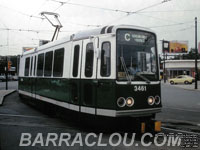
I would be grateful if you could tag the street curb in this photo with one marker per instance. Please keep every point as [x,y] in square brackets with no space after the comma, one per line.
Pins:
[4,96]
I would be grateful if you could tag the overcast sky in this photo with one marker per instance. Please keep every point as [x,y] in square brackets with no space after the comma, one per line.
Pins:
[172,20]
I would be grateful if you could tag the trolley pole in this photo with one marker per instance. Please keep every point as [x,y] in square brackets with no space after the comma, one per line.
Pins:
[196,53]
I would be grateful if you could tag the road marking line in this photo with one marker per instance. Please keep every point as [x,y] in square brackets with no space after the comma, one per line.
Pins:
[180,130]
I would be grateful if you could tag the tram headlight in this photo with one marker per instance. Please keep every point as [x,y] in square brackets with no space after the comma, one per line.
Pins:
[157,100]
[129,101]
[121,102]
[151,100]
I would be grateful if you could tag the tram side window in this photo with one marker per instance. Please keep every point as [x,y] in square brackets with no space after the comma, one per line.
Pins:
[58,62]
[40,64]
[89,60]
[105,59]
[76,60]
[48,63]
[27,64]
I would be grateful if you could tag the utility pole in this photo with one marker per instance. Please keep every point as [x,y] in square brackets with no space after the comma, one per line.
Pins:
[196,53]
[6,69]
[164,72]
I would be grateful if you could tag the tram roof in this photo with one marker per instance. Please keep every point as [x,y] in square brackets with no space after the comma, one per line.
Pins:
[105,30]
[88,33]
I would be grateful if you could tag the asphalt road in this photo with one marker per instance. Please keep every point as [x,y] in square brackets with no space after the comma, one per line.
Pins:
[181,108]
[180,112]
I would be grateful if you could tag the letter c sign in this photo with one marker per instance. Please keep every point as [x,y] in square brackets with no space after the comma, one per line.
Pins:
[127,37]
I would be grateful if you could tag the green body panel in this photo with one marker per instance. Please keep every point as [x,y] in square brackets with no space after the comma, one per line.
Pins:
[57,89]
[106,95]
[93,93]
[75,91]
[89,93]
[53,88]
[25,84]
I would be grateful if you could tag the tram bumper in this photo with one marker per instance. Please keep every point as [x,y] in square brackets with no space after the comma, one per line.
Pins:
[137,113]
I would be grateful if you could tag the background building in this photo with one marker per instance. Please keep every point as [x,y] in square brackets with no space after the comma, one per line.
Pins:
[179,67]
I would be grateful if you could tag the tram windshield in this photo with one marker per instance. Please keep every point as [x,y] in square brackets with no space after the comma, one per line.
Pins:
[136,56]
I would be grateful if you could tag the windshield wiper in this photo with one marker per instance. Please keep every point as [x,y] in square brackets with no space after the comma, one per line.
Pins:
[125,70]
[143,77]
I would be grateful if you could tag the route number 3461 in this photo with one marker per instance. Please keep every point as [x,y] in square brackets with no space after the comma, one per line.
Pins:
[140,88]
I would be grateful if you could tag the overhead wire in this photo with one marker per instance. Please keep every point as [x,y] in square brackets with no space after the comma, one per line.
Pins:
[29,30]
[42,5]
[61,4]
[57,8]
[183,23]
[108,9]
[87,25]
[22,13]
[128,13]
[157,18]
[169,25]
[45,1]
[170,11]
[88,6]
[139,10]
[179,30]
[37,17]
[183,29]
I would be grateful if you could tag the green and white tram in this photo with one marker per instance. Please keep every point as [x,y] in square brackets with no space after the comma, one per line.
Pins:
[111,71]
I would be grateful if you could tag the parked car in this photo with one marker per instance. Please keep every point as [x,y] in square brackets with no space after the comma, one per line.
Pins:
[182,79]
[2,78]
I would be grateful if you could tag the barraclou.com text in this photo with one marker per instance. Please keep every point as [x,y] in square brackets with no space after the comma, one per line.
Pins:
[93,139]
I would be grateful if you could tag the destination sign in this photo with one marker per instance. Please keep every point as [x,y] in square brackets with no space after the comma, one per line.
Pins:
[131,36]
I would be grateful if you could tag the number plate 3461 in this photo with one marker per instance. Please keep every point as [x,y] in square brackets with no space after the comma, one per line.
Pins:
[140,88]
